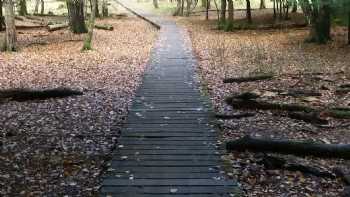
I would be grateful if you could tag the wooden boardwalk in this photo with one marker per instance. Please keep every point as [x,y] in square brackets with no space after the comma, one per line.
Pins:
[167,147]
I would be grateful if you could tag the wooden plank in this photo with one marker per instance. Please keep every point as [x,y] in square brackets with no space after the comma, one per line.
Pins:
[178,175]
[170,158]
[164,163]
[168,152]
[134,170]
[167,189]
[167,182]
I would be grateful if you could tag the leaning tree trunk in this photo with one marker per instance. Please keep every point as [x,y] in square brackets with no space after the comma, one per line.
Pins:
[249,12]
[76,16]
[155,4]
[42,7]
[10,35]
[22,8]
[262,4]
[88,39]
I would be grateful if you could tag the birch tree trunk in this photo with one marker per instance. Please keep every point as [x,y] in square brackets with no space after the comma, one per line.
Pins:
[10,35]
[88,39]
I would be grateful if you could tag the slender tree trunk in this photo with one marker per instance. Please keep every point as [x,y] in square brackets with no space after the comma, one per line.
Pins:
[42,7]
[223,12]
[104,8]
[207,9]
[10,35]
[262,4]
[188,7]
[349,27]
[274,9]
[76,16]
[182,7]
[88,39]
[249,12]
[155,4]
[97,11]
[22,8]
[2,20]
[230,20]
[36,9]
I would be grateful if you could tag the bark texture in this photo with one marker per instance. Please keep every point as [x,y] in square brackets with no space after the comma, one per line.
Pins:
[76,16]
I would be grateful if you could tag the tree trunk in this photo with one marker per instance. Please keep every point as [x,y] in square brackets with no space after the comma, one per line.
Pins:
[230,20]
[321,28]
[36,9]
[223,12]
[97,11]
[249,12]
[88,39]
[262,4]
[155,4]
[10,35]
[2,19]
[274,9]
[42,7]
[295,6]
[188,7]
[207,7]
[76,16]
[290,147]
[178,8]
[104,8]
[22,8]
[349,27]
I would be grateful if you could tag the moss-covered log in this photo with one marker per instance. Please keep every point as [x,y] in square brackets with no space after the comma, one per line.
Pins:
[104,27]
[262,105]
[300,148]
[56,27]
[22,95]
[248,79]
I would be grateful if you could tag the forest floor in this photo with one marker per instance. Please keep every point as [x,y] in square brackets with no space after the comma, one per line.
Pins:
[283,53]
[59,146]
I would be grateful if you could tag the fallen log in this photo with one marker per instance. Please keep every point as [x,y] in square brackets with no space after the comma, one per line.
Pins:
[234,116]
[247,96]
[248,79]
[342,91]
[22,95]
[345,85]
[56,27]
[313,118]
[104,27]
[339,114]
[272,163]
[300,148]
[262,105]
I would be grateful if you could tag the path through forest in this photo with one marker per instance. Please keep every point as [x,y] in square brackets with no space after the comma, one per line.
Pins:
[167,147]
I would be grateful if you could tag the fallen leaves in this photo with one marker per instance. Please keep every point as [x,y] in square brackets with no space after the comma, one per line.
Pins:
[58,146]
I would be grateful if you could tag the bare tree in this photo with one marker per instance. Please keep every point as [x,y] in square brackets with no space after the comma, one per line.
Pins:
[76,16]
